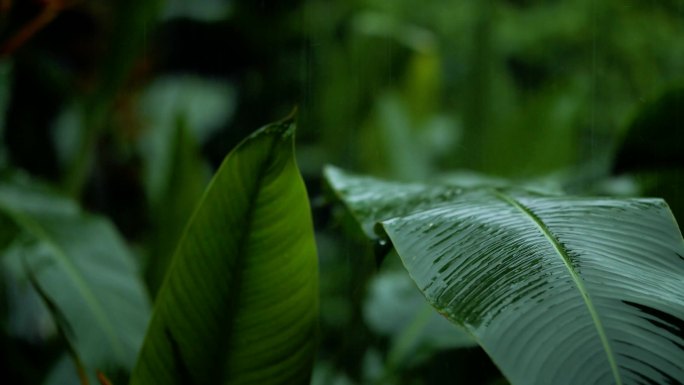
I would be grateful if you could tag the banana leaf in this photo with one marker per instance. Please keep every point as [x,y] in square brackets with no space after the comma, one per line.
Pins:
[557,290]
[83,271]
[239,303]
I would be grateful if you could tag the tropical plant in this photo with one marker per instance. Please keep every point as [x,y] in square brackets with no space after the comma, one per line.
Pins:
[556,289]
[519,125]
[82,270]
[239,303]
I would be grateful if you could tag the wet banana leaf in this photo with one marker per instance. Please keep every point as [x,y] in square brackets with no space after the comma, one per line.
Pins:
[239,304]
[84,273]
[557,290]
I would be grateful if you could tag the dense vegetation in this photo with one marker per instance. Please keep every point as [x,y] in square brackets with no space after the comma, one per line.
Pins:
[513,135]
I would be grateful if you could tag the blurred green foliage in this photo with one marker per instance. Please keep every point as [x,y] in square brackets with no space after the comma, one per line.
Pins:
[128,105]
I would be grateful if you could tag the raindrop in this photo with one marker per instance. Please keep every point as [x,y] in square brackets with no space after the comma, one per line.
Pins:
[381,248]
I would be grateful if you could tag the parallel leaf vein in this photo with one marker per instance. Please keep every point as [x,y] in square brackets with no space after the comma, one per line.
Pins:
[560,250]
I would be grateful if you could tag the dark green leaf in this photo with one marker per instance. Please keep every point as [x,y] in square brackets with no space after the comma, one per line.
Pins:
[84,272]
[396,308]
[240,302]
[557,290]
[386,199]
[63,372]
[187,177]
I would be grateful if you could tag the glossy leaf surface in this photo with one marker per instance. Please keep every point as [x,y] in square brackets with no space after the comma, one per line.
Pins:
[557,290]
[239,304]
[372,200]
[85,273]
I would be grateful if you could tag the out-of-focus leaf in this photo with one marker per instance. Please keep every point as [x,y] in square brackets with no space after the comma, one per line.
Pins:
[325,374]
[557,290]
[131,23]
[396,308]
[372,367]
[391,308]
[67,130]
[28,318]
[384,25]
[201,10]
[240,303]
[206,104]
[187,179]
[83,268]
[203,105]
[63,372]
[407,160]
[408,136]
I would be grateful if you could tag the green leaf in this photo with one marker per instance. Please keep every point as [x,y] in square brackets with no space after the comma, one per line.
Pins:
[85,273]
[396,308]
[63,372]
[386,199]
[187,178]
[557,290]
[240,302]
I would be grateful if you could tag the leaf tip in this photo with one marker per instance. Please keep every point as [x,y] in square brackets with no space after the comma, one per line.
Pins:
[284,128]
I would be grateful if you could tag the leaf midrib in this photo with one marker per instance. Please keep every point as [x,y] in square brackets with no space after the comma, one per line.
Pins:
[541,226]
[236,287]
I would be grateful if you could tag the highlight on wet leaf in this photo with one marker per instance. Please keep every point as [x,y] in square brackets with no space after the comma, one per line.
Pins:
[562,290]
